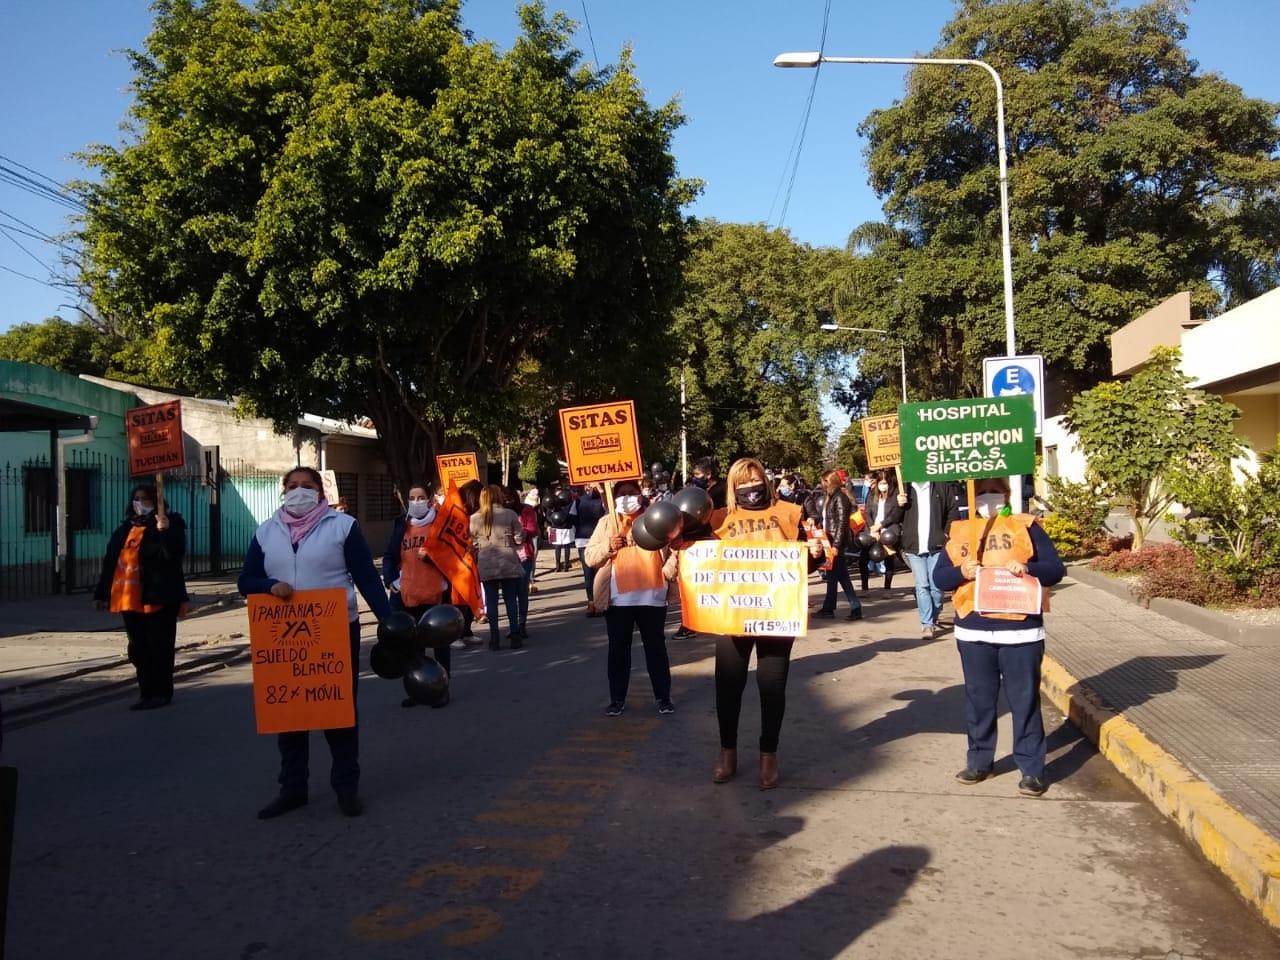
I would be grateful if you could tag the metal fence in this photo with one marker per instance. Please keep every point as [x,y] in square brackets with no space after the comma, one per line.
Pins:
[221,509]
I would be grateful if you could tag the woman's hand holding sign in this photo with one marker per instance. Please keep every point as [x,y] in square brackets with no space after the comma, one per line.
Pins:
[969,569]
[282,590]
[1016,567]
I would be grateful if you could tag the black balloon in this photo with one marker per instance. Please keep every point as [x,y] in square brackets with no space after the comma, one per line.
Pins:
[663,519]
[440,626]
[865,539]
[876,553]
[643,537]
[426,682]
[398,630]
[559,517]
[387,662]
[695,503]
[889,536]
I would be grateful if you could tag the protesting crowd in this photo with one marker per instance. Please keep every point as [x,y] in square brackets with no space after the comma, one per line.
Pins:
[629,540]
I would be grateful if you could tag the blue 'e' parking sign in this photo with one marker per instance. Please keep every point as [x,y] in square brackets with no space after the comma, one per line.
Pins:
[1017,376]
[1012,381]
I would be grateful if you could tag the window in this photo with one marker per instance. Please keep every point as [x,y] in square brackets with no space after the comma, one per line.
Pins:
[349,490]
[381,502]
[39,494]
[1051,460]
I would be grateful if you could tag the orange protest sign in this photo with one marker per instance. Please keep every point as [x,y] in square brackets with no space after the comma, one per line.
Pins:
[745,588]
[302,669]
[601,443]
[880,437]
[154,435]
[448,544]
[996,590]
[458,468]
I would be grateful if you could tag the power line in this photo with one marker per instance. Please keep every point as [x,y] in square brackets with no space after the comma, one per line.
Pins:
[42,176]
[590,39]
[797,142]
[27,276]
[12,239]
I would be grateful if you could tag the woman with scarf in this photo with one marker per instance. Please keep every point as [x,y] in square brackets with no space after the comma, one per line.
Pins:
[756,513]
[308,545]
[142,580]
[415,583]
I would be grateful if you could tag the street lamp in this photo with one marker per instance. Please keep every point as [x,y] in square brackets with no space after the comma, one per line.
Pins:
[812,59]
[902,349]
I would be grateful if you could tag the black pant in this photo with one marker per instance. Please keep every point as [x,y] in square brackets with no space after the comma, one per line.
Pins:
[773,661]
[344,744]
[588,575]
[443,656]
[152,637]
[864,565]
[620,623]
[985,665]
[838,575]
[564,554]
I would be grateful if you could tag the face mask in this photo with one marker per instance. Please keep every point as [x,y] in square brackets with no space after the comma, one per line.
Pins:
[301,500]
[629,504]
[784,488]
[142,509]
[700,482]
[647,493]
[882,487]
[752,496]
[989,504]
[419,508]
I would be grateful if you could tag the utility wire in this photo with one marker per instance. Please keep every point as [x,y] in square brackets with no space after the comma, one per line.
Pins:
[797,143]
[590,39]
[14,240]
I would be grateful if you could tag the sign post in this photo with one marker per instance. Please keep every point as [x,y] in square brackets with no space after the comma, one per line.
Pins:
[154,437]
[302,669]
[601,445]
[457,468]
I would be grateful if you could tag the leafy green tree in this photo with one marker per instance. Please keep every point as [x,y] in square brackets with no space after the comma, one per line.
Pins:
[1133,175]
[73,347]
[539,468]
[747,336]
[1143,437]
[354,208]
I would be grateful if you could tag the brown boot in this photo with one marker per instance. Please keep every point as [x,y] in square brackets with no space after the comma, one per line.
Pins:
[768,771]
[726,766]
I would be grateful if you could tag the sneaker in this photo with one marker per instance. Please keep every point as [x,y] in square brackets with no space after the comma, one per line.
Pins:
[855,614]
[666,706]
[824,614]
[1032,787]
[683,633]
[458,645]
[615,709]
[927,631]
[969,776]
[282,804]
[350,804]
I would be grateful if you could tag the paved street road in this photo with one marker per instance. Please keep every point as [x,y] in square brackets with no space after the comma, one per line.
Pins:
[519,822]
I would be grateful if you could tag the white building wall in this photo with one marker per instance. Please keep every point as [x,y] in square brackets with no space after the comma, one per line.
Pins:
[1058,446]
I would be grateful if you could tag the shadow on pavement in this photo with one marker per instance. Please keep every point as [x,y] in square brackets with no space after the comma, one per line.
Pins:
[1139,679]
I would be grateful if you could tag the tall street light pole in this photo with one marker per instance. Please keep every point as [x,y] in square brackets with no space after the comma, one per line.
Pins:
[812,59]
[902,348]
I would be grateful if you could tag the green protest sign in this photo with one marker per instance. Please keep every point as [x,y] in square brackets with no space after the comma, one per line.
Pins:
[968,439]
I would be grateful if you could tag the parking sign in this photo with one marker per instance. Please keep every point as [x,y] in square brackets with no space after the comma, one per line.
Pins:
[1017,376]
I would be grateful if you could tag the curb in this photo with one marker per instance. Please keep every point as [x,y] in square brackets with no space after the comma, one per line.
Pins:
[1210,622]
[1246,854]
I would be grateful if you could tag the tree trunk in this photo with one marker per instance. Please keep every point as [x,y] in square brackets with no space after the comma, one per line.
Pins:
[409,443]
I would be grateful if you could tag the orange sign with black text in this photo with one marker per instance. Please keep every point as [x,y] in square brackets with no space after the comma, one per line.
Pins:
[996,590]
[745,588]
[601,443]
[458,468]
[154,436]
[880,437]
[302,669]
[448,544]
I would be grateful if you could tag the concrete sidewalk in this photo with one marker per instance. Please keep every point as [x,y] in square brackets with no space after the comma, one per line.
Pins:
[1188,717]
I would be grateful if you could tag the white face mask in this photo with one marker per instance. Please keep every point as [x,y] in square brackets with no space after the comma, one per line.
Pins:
[989,504]
[301,500]
[882,487]
[142,509]
[629,504]
[420,508]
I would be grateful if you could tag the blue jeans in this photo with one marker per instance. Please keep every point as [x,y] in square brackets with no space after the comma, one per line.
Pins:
[511,595]
[838,577]
[928,596]
[1016,666]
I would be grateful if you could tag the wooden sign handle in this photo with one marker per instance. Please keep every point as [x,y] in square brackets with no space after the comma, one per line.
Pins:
[973,515]
[897,472]
[160,511]
[613,511]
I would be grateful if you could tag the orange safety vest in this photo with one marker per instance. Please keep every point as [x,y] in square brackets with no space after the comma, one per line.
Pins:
[421,581]
[126,582]
[781,521]
[635,568]
[1000,541]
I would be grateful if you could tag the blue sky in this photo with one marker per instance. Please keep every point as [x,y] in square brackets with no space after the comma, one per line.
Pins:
[64,79]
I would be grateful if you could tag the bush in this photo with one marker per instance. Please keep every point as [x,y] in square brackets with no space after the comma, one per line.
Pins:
[1067,536]
[1174,571]
[1136,561]
[1080,503]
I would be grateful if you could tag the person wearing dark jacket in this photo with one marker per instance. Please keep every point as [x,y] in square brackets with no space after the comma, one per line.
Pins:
[928,510]
[308,545]
[1000,649]
[883,512]
[704,475]
[415,583]
[836,508]
[142,580]
[586,512]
